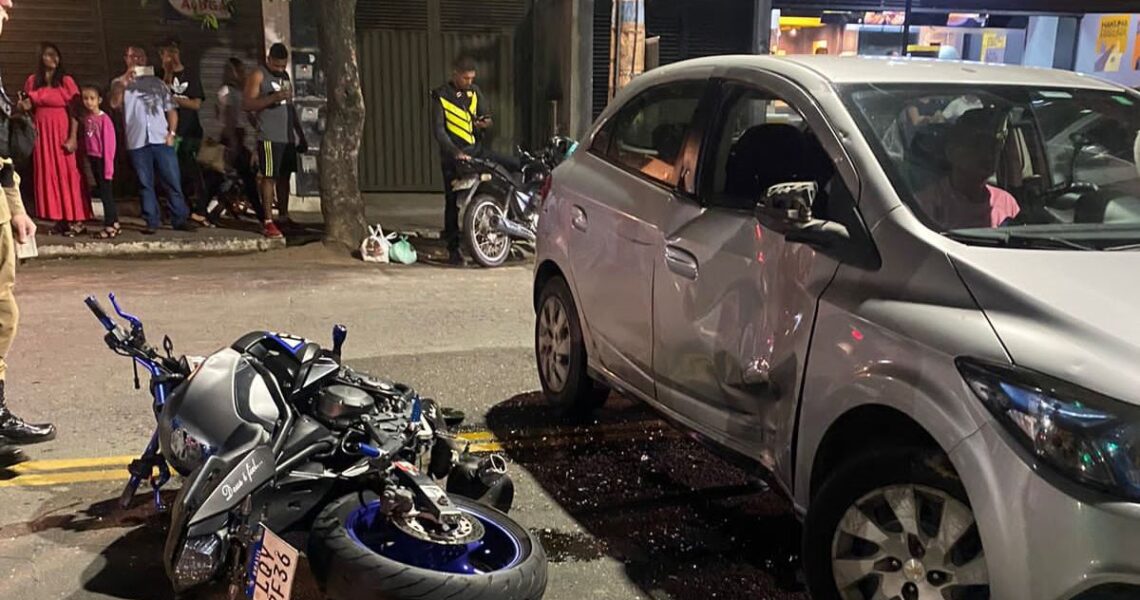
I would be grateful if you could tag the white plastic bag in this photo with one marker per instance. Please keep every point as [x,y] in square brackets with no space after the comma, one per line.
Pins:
[375,247]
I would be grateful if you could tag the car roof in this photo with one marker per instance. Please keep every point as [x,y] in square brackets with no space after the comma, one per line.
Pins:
[888,70]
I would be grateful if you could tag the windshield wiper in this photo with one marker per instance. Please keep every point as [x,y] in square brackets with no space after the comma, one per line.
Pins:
[1008,238]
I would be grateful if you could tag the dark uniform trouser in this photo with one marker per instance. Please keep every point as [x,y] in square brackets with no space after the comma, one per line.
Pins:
[450,168]
[9,312]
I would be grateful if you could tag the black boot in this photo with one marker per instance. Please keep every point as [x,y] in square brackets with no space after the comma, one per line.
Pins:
[454,258]
[11,455]
[14,430]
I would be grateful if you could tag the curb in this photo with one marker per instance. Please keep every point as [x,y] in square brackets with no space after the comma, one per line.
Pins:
[159,248]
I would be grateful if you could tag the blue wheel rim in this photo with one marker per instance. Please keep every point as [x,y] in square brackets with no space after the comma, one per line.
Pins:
[497,550]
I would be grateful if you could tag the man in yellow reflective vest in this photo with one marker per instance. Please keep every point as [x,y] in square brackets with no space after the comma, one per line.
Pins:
[460,114]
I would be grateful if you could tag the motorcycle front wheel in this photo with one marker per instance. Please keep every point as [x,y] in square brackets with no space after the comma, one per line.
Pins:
[356,553]
[487,245]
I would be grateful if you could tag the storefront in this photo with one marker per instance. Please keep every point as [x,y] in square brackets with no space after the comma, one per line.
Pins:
[92,35]
[1106,45]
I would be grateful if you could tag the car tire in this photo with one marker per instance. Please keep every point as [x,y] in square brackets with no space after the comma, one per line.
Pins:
[865,494]
[560,351]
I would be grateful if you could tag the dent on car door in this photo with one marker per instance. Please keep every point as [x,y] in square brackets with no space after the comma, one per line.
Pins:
[621,197]
[731,336]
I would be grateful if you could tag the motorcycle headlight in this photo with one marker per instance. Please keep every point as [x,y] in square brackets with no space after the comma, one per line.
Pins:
[1088,437]
[198,562]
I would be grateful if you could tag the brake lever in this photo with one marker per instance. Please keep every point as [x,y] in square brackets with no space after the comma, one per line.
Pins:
[136,324]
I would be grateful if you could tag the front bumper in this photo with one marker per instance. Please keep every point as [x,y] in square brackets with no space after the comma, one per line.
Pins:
[1045,537]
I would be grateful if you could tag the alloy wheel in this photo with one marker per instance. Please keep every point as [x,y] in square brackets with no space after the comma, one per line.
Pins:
[909,542]
[554,343]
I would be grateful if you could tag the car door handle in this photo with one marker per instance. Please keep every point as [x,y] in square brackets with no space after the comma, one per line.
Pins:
[578,218]
[681,262]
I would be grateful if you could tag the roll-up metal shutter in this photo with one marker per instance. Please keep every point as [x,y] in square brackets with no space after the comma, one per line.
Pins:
[603,15]
[126,23]
[391,14]
[398,49]
[70,24]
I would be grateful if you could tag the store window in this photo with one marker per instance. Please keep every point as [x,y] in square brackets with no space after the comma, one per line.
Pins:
[761,141]
[648,133]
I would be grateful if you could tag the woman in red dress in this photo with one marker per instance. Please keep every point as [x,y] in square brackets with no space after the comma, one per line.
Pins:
[52,97]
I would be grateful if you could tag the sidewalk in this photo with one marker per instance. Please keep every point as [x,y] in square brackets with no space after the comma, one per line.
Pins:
[415,215]
[236,238]
[412,214]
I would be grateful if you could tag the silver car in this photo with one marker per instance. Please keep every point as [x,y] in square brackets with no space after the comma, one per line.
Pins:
[909,289]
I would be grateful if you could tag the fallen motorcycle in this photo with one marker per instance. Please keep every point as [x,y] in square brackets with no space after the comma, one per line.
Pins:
[501,205]
[275,437]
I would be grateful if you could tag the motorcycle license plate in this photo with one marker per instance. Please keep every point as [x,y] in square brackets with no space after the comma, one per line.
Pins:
[272,568]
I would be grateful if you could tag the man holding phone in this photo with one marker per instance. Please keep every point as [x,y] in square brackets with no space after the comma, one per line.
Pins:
[460,116]
[151,119]
[280,138]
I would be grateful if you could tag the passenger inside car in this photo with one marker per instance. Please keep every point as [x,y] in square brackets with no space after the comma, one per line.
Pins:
[963,197]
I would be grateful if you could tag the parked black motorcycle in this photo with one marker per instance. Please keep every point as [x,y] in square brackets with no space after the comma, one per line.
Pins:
[275,436]
[501,205]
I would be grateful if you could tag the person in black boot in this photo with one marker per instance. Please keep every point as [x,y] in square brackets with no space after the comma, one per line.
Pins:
[15,226]
[15,430]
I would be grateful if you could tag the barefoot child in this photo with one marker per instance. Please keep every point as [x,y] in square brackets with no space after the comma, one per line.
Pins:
[99,136]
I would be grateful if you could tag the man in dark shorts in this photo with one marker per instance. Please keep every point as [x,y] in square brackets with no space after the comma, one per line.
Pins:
[280,139]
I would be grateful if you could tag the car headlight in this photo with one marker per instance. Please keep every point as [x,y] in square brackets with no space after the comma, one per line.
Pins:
[1091,438]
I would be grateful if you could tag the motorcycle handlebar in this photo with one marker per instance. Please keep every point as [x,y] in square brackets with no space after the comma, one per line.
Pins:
[100,314]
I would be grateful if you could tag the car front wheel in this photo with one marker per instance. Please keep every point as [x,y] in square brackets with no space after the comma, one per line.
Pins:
[894,524]
[561,353]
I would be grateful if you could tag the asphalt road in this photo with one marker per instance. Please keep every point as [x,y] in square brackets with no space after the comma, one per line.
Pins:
[625,506]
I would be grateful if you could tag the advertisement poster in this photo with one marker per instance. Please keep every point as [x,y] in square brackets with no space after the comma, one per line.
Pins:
[1136,50]
[627,48]
[884,18]
[1111,42]
[993,47]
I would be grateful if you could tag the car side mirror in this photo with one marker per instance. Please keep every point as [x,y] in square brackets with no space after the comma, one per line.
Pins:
[786,207]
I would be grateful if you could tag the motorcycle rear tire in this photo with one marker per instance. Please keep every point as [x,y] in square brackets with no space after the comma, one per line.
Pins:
[347,570]
[469,231]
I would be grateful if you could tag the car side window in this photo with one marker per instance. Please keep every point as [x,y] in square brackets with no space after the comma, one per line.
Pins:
[760,141]
[648,133]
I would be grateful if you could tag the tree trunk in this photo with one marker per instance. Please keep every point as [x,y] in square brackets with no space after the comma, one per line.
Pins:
[341,203]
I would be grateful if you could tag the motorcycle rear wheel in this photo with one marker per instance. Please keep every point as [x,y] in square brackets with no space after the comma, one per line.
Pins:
[348,565]
[486,244]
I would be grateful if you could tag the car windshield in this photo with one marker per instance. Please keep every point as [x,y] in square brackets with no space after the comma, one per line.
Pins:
[1010,165]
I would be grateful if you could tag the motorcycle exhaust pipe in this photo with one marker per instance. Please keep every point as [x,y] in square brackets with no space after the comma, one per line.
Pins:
[483,480]
[515,230]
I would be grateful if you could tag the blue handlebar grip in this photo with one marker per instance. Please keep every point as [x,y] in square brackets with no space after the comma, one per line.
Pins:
[340,333]
[100,314]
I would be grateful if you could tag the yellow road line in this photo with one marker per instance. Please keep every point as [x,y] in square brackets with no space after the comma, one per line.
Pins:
[43,479]
[109,468]
[69,464]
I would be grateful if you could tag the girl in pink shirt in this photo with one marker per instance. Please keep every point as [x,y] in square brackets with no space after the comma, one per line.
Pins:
[99,144]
